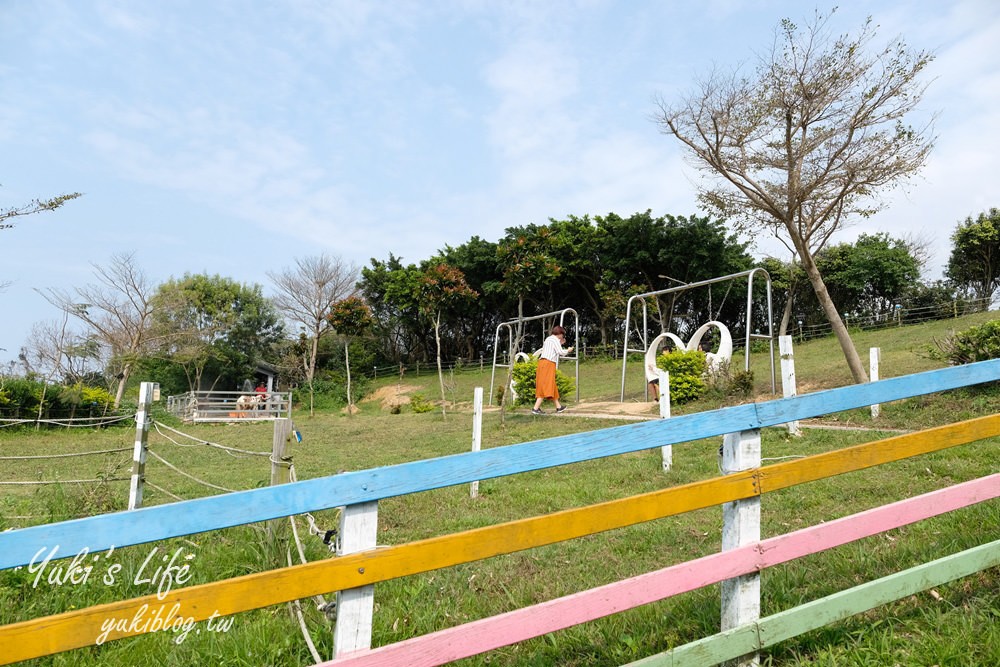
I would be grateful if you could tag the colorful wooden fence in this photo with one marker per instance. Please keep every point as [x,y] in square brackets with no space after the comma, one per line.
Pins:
[354,573]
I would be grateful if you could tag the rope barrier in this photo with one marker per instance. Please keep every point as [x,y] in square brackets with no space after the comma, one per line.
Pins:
[331,538]
[91,422]
[63,456]
[200,441]
[161,490]
[297,609]
[68,481]
[321,602]
[188,475]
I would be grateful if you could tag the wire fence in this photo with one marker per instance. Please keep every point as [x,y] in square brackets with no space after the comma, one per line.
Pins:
[170,436]
[68,422]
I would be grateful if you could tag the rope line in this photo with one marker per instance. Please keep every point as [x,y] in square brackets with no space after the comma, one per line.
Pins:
[321,602]
[188,475]
[162,490]
[331,537]
[297,609]
[92,422]
[63,456]
[201,441]
[68,481]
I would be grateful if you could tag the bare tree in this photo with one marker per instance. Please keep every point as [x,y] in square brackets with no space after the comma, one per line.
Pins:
[34,206]
[117,310]
[306,295]
[44,355]
[806,143]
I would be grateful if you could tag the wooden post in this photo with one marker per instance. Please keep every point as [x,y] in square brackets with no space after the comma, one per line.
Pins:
[741,526]
[280,462]
[355,606]
[477,432]
[667,451]
[146,390]
[788,388]
[874,356]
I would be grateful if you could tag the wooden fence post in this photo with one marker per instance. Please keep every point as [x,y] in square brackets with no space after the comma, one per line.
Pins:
[355,606]
[741,526]
[667,451]
[280,462]
[146,391]
[477,432]
[788,388]
[874,356]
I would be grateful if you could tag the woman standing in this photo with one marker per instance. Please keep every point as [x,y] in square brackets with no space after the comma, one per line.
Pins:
[545,378]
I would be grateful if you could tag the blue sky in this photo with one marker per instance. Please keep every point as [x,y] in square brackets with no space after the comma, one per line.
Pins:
[233,137]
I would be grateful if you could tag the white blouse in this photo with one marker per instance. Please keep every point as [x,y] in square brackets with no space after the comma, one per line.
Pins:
[552,349]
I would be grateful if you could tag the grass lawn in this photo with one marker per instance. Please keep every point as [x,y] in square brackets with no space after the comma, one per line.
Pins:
[956,625]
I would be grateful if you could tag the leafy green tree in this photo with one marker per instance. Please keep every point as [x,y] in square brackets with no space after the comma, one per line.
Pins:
[443,290]
[788,287]
[214,327]
[475,325]
[350,318]
[576,247]
[871,275]
[807,141]
[391,291]
[974,263]
[646,253]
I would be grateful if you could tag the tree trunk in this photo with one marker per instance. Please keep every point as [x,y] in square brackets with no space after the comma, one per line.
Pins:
[122,381]
[437,342]
[347,365]
[311,373]
[839,330]
[786,315]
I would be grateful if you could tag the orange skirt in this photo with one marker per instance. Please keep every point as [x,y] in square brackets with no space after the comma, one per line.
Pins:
[545,380]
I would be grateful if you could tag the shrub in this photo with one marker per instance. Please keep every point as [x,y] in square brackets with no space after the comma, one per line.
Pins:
[524,382]
[22,396]
[978,343]
[724,381]
[420,404]
[686,369]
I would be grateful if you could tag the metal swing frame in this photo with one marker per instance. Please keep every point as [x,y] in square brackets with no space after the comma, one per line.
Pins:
[644,332]
[511,352]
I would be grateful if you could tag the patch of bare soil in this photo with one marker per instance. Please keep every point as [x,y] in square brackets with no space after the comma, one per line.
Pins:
[633,408]
[393,395]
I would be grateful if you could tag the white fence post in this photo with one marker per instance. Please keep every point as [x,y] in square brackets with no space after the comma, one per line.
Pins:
[874,356]
[666,450]
[788,376]
[477,432]
[741,526]
[146,391]
[355,606]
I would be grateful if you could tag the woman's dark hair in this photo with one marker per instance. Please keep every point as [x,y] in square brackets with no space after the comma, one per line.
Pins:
[558,330]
